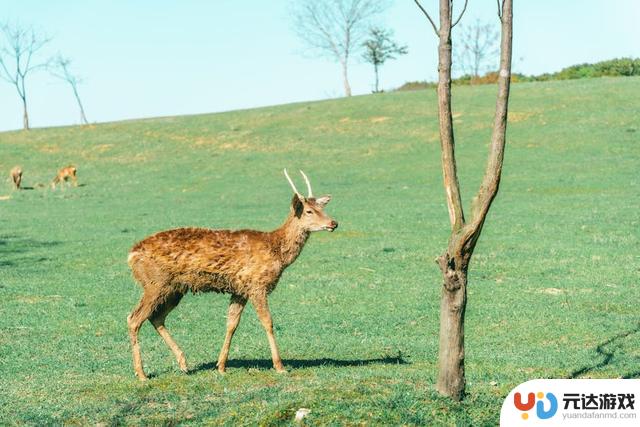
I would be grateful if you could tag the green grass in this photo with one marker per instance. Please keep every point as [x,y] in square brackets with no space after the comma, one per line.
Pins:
[553,285]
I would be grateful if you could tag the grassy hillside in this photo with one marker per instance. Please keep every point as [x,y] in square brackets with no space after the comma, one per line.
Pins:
[553,286]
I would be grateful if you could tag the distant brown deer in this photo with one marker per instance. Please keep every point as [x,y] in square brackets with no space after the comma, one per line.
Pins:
[245,263]
[64,175]
[16,176]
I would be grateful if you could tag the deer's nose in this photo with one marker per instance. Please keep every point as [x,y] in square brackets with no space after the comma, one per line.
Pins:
[334,225]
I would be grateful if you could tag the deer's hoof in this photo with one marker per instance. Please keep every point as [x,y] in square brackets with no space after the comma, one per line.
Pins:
[182,363]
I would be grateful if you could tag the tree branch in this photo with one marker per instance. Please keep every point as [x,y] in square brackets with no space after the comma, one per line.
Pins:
[500,9]
[447,141]
[461,13]
[327,36]
[7,75]
[433,24]
[491,180]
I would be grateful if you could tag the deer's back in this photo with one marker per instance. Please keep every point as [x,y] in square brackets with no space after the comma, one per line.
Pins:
[204,260]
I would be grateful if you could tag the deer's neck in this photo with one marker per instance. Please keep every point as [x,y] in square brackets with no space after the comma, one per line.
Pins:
[289,239]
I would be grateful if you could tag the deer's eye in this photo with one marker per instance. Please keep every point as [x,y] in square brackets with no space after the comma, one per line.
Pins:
[309,212]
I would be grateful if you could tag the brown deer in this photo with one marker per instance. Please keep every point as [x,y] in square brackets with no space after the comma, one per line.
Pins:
[64,175]
[245,263]
[16,176]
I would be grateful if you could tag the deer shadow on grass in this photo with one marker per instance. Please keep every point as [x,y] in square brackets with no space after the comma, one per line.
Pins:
[266,364]
[607,350]
[15,249]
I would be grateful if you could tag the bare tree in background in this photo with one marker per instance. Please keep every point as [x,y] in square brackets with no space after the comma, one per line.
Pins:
[17,59]
[477,48]
[379,48]
[454,262]
[60,69]
[336,28]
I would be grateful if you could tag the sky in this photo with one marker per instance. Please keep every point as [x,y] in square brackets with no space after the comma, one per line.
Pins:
[149,58]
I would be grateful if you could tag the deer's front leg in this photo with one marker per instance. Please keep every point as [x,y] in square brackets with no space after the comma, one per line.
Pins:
[262,310]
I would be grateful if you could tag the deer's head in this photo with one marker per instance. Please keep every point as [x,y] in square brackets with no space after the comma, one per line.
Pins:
[310,210]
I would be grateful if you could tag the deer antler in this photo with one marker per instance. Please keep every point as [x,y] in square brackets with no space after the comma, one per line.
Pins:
[308,184]
[293,186]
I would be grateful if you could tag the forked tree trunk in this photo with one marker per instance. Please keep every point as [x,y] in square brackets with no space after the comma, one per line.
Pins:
[454,262]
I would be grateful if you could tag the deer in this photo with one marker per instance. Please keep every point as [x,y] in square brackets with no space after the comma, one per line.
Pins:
[247,264]
[16,176]
[64,174]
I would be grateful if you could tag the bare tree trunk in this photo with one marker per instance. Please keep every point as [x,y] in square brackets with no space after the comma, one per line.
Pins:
[477,54]
[345,79]
[451,381]
[454,263]
[375,68]
[23,95]
[451,378]
[83,117]
[25,115]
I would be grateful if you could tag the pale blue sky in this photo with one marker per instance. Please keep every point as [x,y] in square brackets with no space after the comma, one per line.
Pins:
[149,58]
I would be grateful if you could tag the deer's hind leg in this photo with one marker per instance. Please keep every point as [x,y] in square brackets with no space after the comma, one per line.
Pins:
[145,308]
[157,320]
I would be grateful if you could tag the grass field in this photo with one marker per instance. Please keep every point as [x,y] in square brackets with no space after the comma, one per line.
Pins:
[553,289]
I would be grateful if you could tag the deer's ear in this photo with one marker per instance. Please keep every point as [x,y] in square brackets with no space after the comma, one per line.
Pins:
[323,201]
[297,206]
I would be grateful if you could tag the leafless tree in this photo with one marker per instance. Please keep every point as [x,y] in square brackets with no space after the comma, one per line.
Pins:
[17,59]
[454,262]
[60,69]
[477,48]
[336,28]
